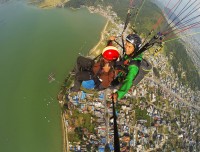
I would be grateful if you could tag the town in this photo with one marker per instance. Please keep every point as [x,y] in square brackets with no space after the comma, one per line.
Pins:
[159,114]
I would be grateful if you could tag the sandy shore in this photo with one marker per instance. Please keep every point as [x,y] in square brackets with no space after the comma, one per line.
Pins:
[93,50]
[49,3]
[64,133]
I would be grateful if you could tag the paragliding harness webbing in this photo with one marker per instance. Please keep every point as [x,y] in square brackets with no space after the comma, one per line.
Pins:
[128,17]
[88,64]
[144,68]
[143,65]
[157,39]
[116,135]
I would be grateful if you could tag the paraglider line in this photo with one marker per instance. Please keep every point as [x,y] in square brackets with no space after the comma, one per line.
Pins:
[181,37]
[139,11]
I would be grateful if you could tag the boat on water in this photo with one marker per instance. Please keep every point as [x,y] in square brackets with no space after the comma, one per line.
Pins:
[51,77]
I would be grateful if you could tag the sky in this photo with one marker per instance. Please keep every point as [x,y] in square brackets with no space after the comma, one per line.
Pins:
[171,4]
[195,5]
[186,7]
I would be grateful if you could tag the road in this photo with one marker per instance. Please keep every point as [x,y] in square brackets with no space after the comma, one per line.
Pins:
[173,94]
[107,119]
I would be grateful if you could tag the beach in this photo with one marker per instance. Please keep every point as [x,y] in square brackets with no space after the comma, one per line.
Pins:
[111,27]
[49,3]
[94,50]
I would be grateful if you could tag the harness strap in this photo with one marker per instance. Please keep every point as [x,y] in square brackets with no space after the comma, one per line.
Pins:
[135,62]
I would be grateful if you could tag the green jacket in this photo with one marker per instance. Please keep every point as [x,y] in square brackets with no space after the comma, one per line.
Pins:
[130,76]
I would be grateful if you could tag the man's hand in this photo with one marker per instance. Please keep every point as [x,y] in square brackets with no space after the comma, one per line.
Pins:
[112,38]
[114,96]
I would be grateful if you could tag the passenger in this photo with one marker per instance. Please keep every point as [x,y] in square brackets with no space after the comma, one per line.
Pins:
[128,66]
[101,73]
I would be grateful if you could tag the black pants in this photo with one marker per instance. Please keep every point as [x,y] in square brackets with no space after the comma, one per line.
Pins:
[83,71]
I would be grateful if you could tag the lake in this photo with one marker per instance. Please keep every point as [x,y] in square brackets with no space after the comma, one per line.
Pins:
[34,43]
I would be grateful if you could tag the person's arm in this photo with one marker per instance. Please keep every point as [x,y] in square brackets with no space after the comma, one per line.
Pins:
[110,41]
[127,83]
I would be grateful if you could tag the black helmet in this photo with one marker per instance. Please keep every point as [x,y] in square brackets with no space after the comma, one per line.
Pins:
[135,40]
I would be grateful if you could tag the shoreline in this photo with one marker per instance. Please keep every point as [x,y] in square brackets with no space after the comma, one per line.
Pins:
[63,130]
[48,4]
[101,39]
[92,52]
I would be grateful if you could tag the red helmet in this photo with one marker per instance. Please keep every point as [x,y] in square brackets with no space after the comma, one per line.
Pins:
[110,53]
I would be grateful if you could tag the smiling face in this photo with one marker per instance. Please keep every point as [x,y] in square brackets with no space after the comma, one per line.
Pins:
[129,48]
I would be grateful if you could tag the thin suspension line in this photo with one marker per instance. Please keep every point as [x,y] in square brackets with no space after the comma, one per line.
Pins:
[183,9]
[184,28]
[187,21]
[139,11]
[180,13]
[160,19]
[179,3]
[170,10]
[181,26]
[190,13]
[190,26]
[187,35]
[184,36]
